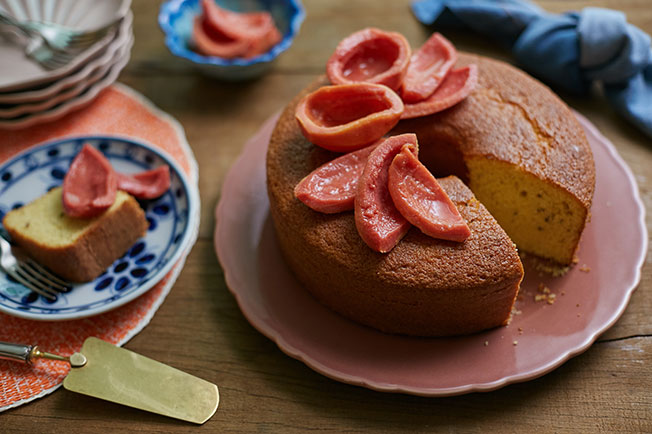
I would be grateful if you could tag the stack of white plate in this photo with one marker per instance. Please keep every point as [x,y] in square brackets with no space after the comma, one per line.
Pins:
[31,94]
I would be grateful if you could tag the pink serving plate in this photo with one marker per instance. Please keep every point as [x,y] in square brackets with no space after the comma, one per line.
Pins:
[589,298]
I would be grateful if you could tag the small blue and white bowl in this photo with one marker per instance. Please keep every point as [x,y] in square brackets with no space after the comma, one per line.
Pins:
[176,20]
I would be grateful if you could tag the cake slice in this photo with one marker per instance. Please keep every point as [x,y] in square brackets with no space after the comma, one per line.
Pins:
[76,249]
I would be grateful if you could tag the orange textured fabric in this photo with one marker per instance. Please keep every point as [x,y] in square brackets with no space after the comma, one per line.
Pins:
[121,111]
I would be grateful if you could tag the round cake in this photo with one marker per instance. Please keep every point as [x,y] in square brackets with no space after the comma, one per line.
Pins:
[523,155]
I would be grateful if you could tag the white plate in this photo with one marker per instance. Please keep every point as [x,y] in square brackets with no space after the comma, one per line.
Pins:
[15,111]
[18,72]
[60,110]
[173,219]
[74,14]
[48,90]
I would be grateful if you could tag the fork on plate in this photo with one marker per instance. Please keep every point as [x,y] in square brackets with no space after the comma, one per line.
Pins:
[49,59]
[64,39]
[29,273]
[52,45]
[57,37]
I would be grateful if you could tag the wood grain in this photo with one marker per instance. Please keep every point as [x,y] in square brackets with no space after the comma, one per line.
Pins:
[200,329]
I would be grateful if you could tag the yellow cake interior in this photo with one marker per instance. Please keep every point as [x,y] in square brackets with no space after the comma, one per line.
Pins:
[539,217]
[44,220]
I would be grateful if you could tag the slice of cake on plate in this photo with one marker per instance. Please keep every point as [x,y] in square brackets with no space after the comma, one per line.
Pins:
[76,249]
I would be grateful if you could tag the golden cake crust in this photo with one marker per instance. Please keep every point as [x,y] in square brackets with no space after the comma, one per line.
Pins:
[423,286]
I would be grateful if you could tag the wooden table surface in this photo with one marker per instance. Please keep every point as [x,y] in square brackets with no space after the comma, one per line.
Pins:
[200,329]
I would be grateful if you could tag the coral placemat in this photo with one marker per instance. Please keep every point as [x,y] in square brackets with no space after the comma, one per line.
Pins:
[117,110]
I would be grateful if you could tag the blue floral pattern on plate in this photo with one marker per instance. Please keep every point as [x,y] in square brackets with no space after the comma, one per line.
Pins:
[172,218]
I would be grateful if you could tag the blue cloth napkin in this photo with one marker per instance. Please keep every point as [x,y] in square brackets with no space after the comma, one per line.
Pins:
[569,50]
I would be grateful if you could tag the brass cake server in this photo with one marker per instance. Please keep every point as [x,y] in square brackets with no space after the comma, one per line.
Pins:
[115,374]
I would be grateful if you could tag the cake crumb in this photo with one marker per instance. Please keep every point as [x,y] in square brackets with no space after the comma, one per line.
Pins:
[545,294]
[551,300]
[515,343]
[515,310]
[585,268]
[486,343]
[552,269]
[544,266]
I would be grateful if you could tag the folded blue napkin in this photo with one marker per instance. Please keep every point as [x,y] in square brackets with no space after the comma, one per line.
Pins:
[569,51]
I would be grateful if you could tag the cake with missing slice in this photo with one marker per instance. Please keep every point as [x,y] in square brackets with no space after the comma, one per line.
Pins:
[523,155]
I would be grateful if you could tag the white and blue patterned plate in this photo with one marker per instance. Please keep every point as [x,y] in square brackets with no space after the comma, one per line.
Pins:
[173,220]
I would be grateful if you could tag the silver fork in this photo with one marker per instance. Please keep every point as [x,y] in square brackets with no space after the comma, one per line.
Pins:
[51,45]
[65,39]
[36,48]
[28,272]
[55,36]
[50,59]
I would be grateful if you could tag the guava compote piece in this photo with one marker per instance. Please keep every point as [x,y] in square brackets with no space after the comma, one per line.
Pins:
[379,222]
[237,25]
[346,117]
[331,188]
[421,200]
[457,85]
[370,55]
[262,45]
[90,186]
[428,68]
[148,184]
[224,33]
[215,44]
